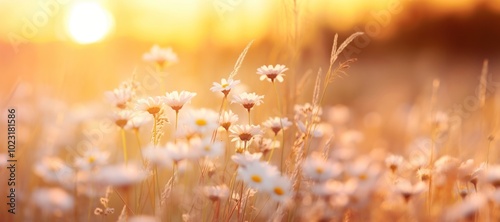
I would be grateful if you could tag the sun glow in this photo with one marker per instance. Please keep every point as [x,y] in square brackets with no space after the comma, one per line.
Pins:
[88,22]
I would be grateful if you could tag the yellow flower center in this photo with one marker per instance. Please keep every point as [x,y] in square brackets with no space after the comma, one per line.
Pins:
[256,178]
[91,159]
[201,122]
[121,122]
[225,85]
[207,148]
[319,170]
[153,110]
[278,191]
[363,176]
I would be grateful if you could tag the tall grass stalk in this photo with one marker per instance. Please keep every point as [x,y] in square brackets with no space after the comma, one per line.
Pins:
[124,145]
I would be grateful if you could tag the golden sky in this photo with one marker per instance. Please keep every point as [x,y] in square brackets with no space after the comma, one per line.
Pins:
[187,22]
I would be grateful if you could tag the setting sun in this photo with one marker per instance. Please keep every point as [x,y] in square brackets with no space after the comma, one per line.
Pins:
[88,22]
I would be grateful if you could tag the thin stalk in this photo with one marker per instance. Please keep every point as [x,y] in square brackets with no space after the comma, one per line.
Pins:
[136,132]
[226,156]
[283,130]
[124,201]
[124,143]
[176,119]
[221,109]
[249,121]
[272,151]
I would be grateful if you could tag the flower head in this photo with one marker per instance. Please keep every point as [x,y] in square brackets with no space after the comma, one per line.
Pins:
[206,148]
[215,193]
[319,169]
[120,175]
[244,159]
[152,105]
[492,175]
[224,86]
[258,175]
[159,56]
[408,190]
[122,117]
[176,100]
[157,156]
[394,162]
[138,120]
[280,189]
[54,169]
[202,120]
[271,73]
[180,151]
[53,200]
[276,124]
[248,100]
[244,132]
[119,97]
[227,119]
[91,158]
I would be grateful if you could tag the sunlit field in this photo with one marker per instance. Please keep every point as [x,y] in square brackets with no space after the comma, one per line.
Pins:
[250,110]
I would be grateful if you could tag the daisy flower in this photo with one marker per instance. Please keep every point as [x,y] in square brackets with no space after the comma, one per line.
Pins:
[176,100]
[408,190]
[314,131]
[478,172]
[244,132]
[159,56]
[138,120]
[122,117]
[271,73]
[152,105]
[394,162]
[54,201]
[258,175]
[91,158]
[465,170]
[215,193]
[248,100]
[206,148]
[319,169]
[156,156]
[492,175]
[468,208]
[202,120]
[54,169]
[119,97]
[424,174]
[280,189]
[120,175]
[364,168]
[224,86]
[180,151]
[246,158]
[227,119]
[276,124]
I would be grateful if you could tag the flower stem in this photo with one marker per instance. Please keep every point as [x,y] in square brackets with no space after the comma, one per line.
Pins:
[124,142]
[136,132]
[176,119]
[283,130]
[272,149]
[249,120]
